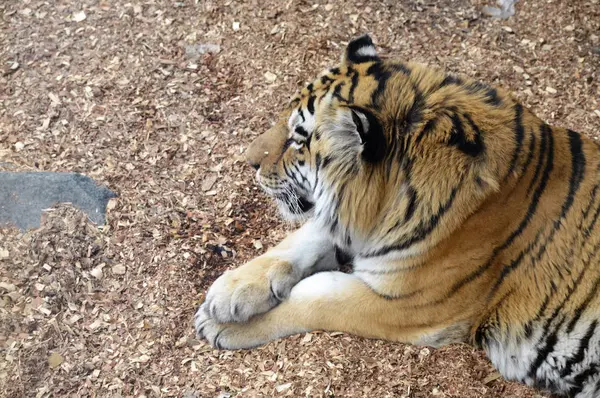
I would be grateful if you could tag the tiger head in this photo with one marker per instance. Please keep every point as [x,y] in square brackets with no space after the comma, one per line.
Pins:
[379,151]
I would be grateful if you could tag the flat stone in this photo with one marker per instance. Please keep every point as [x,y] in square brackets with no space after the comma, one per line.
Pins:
[23,196]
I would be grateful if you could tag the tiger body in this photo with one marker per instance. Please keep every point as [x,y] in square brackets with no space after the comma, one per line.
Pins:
[467,218]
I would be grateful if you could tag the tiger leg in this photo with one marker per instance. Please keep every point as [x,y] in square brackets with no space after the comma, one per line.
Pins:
[264,282]
[332,301]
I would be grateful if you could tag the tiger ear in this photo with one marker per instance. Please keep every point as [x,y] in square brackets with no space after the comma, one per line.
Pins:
[359,50]
[370,131]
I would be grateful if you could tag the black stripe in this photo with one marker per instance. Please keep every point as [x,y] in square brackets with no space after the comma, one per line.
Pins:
[577,175]
[451,80]
[412,204]
[301,131]
[337,89]
[514,264]
[459,138]
[284,148]
[326,79]
[304,179]
[519,134]
[392,153]
[533,204]
[310,105]
[490,93]
[353,84]
[593,194]
[381,76]
[415,113]
[333,226]
[596,388]
[571,289]
[542,354]
[429,126]
[422,230]
[583,306]
[478,145]
[528,328]
[584,344]
[529,157]
[342,257]
[317,169]
[410,208]
[301,114]
[398,67]
[540,162]
[579,380]
[483,332]
[587,231]
[290,174]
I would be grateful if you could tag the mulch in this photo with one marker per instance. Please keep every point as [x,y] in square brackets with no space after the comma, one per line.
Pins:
[158,100]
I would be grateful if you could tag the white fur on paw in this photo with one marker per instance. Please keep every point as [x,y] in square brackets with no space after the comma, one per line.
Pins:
[206,326]
[224,336]
[231,299]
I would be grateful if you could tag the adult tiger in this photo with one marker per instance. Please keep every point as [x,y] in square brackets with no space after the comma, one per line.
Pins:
[467,217]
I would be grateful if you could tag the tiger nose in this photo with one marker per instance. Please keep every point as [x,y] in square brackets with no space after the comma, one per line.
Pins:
[263,151]
[255,154]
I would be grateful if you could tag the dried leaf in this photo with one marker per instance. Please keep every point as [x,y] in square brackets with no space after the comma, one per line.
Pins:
[307,338]
[491,377]
[55,360]
[141,359]
[270,77]
[208,182]
[54,98]
[119,269]
[97,272]
[79,16]
[9,287]
[283,387]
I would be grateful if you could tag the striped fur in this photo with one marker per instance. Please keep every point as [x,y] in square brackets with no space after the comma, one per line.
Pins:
[467,217]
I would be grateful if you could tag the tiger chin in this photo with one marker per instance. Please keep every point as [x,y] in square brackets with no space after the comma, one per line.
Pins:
[467,218]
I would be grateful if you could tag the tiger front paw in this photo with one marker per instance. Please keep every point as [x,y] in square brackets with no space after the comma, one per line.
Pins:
[252,289]
[230,336]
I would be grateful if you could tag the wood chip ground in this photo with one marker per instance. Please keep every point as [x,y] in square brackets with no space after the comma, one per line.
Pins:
[158,99]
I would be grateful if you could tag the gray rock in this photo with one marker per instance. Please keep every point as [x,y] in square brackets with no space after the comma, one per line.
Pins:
[194,51]
[505,10]
[23,196]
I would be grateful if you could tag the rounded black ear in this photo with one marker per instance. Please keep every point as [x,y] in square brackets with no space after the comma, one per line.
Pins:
[359,50]
[372,136]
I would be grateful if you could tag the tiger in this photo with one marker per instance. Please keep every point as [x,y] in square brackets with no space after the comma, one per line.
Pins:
[464,216]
